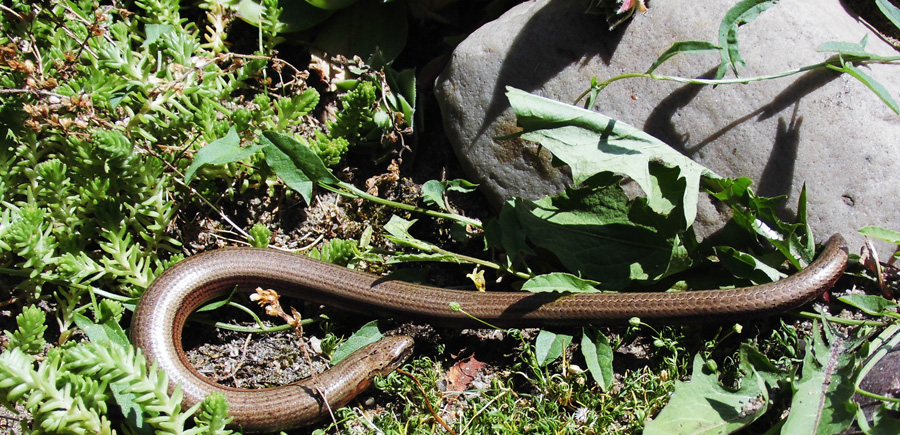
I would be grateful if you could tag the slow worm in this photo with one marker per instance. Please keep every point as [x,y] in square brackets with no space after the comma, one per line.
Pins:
[161,314]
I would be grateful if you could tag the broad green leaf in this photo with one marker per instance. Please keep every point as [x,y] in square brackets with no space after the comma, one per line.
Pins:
[219,152]
[744,265]
[598,355]
[870,304]
[367,334]
[742,13]
[559,282]
[702,406]
[433,193]
[106,332]
[512,235]
[890,11]
[683,47]
[364,28]
[602,244]
[295,163]
[549,346]
[591,143]
[885,234]
[821,403]
[296,15]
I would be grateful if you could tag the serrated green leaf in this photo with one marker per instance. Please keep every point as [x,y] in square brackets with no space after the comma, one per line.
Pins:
[604,247]
[683,47]
[224,150]
[598,356]
[883,422]
[367,334]
[821,403]
[549,346]
[759,215]
[591,144]
[560,282]
[702,406]
[752,360]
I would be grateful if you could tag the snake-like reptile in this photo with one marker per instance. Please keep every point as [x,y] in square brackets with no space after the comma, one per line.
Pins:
[163,310]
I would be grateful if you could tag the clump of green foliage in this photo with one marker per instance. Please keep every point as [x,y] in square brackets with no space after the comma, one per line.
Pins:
[101,110]
[69,390]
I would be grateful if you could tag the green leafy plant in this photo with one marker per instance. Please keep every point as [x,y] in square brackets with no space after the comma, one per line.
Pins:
[847,59]
[115,120]
[364,28]
[67,391]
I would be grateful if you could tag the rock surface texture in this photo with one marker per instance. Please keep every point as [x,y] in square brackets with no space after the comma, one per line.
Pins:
[819,128]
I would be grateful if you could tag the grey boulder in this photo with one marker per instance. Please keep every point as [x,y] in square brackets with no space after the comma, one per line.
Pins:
[818,128]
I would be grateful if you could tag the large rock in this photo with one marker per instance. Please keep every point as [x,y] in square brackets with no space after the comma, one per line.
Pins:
[819,128]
